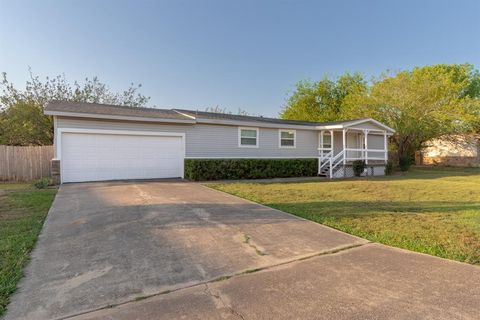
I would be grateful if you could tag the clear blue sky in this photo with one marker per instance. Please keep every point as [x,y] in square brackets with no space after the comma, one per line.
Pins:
[235,54]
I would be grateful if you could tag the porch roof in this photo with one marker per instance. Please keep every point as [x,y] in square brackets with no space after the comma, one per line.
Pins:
[351,124]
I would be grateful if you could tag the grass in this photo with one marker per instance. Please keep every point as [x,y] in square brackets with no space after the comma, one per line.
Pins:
[22,212]
[430,210]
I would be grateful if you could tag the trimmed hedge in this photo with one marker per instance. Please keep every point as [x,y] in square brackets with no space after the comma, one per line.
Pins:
[224,169]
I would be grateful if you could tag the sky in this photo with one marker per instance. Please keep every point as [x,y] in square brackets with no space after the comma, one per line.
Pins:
[234,54]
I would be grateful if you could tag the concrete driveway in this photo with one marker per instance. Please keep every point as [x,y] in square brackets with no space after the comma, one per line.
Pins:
[171,249]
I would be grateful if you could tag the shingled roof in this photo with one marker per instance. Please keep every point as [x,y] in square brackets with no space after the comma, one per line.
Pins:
[79,109]
[236,117]
[113,110]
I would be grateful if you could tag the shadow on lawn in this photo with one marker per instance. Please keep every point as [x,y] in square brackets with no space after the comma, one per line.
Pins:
[419,173]
[354,208]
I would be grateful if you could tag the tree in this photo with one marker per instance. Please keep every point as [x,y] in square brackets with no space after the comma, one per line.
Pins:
[322,100]
[21,111]
[224,110]
[24,123]
[421,104]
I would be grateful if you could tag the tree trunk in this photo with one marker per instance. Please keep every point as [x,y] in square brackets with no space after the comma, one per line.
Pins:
[403,147]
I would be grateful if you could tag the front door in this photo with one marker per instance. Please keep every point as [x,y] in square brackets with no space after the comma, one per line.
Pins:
[325,143]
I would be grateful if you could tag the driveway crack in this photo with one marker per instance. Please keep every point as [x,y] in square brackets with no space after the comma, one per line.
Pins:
[218,297]
[251,245]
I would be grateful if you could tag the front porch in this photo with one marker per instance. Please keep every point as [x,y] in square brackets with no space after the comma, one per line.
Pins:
[338,148]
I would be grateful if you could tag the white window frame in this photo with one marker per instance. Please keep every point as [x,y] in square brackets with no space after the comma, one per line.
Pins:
[280,139]
[240,137]
[321,139]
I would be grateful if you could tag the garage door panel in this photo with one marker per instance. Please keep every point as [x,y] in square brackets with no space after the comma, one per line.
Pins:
[96,157]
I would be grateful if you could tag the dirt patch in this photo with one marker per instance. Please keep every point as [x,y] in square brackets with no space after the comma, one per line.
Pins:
[7,208]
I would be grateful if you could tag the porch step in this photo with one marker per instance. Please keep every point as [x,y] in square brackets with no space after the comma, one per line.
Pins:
[325,172]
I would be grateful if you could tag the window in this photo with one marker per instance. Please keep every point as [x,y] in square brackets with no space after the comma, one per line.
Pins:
[327,140]
[248,137]
[287,138]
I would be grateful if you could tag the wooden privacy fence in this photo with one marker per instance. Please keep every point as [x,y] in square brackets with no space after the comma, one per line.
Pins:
[25,163]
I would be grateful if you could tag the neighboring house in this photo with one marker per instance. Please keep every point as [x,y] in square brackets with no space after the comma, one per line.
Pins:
[95,142]
[452,150]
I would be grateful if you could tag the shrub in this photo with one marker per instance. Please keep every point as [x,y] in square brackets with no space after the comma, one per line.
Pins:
[217,169]
[358,167]
[42,183]
[404,163]
[389,168]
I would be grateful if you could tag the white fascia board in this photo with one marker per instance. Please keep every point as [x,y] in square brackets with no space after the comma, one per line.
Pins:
[328,127]
[184,114]
[378,123]
[112,117]
[121,132]
[257,124]
[348,124]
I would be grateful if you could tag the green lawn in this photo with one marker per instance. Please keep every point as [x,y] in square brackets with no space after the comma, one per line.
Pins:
[429,210]
[22,212]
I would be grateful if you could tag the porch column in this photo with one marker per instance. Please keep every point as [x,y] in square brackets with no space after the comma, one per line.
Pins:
[321,139]
[385,145]
[320,147]
[331,141]
[365,134]
[344,146]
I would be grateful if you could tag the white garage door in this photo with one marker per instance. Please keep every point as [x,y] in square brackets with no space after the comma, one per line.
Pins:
[97,157]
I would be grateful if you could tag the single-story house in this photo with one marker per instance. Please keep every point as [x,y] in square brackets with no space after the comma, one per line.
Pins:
[451,150]
[95,142]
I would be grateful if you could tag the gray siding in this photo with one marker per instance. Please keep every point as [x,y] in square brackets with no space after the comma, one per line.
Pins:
[216,141]
[375,141]
[337,142]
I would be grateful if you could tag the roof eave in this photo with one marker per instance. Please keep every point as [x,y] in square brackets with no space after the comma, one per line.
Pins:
[378,123]
[328,127]
[256,124]
[349,124]
[115,117]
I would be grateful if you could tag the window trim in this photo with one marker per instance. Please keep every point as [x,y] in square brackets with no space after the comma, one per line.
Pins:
[240,145]
[280,139]
[321,140]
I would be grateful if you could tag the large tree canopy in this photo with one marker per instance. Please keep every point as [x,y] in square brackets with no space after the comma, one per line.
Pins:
[22,121]
[419,104]
[322,100]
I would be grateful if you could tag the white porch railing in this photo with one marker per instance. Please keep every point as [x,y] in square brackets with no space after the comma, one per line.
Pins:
[352,154]
[335,161]
[324,160]
[328,162]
